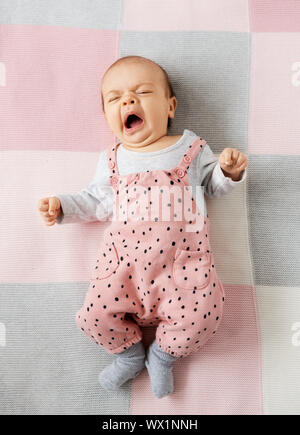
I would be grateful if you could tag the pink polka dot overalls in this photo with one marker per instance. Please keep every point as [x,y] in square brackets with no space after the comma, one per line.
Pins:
[155,265]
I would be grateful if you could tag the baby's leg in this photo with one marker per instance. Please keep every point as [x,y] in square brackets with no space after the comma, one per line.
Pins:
[159,365]
[103,318]
[126,366]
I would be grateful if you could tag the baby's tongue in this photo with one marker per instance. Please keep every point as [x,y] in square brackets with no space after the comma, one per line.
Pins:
[135,121]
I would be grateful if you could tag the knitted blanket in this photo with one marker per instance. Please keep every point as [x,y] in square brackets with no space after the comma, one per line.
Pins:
[235,69]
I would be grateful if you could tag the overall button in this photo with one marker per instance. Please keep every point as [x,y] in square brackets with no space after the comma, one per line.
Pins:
[187,159]
[111,164]
[179,172]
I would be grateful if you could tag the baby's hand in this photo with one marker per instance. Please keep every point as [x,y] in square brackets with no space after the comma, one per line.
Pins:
[50,209]
[232,163]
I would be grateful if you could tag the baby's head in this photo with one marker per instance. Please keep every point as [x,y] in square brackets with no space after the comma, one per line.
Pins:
[137,84]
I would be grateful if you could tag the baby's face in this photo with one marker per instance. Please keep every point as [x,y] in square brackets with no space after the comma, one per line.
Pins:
[140,88]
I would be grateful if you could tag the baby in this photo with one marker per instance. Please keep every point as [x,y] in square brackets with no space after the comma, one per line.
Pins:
[155,265]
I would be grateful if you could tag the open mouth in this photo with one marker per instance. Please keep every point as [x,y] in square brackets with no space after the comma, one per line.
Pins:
[133,122]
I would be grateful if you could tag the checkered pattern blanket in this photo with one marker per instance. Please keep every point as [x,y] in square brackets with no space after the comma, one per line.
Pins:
[235,69]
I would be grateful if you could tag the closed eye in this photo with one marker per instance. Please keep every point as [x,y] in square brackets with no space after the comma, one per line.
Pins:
[116,98]
[113,99]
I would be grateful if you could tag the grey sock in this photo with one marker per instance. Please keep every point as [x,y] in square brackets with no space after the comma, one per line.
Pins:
[126,366]
[159,366]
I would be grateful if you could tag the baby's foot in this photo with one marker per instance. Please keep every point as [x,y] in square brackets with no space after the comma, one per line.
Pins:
[159,366]
[127,366]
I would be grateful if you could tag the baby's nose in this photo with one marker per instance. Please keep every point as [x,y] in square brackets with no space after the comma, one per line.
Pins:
[128,100]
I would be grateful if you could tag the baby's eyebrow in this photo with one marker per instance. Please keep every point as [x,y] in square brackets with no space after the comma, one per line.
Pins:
[136,86]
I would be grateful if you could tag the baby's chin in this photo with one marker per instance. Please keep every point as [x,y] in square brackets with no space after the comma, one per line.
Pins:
[139,138]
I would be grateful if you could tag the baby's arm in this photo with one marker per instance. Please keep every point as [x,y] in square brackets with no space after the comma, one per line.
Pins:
[92,203]
[212,177]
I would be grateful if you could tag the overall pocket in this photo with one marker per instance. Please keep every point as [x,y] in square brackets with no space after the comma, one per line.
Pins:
[192,269]
[107,262]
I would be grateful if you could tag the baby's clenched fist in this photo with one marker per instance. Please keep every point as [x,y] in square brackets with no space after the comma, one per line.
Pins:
[50,209]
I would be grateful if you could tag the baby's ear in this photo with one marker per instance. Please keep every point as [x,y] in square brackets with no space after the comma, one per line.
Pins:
[173,105]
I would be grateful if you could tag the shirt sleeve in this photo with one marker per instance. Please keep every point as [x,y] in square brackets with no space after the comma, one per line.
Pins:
[92,203]
[212,178]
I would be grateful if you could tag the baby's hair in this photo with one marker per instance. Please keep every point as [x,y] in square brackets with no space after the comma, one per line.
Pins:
[169,88]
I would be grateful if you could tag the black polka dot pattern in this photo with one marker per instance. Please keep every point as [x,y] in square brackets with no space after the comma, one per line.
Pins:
[154,271]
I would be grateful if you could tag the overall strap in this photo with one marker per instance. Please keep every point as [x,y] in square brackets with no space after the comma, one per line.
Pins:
[191,152]
[112,163]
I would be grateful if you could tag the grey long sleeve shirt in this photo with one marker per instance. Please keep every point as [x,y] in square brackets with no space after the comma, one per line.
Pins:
[95,202]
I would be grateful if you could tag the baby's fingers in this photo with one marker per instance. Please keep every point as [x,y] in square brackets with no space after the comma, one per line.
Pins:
[226,156]
[54,205]
[242,166]
[43,204]
[47,215]
[235,157]
[241,160]
[49,223]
